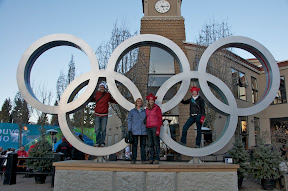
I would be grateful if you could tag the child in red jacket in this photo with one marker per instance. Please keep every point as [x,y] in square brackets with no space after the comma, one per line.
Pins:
[153,124]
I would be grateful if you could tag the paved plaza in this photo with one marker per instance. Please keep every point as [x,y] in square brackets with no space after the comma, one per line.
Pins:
[28,184]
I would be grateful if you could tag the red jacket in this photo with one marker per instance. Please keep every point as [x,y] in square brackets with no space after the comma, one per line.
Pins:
[154,117]
[22,154]
[102,105]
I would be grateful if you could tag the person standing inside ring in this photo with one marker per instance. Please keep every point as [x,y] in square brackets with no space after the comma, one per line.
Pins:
[197,114]
[102,99]
[153,125]
[137,126]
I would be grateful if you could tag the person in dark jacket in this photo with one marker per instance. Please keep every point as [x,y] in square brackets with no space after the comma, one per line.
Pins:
[102,99]
[153,125]
[64,148]
[197,114]
[137,126]
[76,154]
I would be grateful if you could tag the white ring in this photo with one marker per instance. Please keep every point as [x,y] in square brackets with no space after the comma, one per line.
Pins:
[66,105]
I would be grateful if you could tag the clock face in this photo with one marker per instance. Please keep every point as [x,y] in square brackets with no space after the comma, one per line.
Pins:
[162,6]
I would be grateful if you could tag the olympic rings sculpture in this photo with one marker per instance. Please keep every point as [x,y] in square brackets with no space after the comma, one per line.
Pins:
[68,105]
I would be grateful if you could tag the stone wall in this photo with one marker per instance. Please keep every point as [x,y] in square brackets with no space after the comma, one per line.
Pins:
[111,180]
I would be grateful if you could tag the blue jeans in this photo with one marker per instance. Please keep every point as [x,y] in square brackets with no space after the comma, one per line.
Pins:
[154,144]
[100,129]
[189,122]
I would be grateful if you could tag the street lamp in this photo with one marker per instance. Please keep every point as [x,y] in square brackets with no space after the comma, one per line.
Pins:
[53,133]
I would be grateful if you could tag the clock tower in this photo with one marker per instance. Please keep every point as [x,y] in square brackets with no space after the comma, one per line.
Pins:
[163,17]
[162,8]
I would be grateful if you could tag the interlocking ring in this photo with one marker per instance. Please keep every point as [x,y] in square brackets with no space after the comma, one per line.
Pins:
[66,105]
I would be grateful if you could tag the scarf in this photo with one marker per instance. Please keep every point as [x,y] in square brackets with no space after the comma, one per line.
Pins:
[194,98]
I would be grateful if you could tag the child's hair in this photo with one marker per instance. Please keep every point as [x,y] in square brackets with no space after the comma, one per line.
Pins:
[150,106]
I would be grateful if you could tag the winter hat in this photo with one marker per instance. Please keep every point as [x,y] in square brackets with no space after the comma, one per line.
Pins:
[64,139]
[151,96]
[194,88]
[103,84]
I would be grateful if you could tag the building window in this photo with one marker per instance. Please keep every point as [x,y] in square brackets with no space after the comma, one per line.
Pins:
[257,128]
[161,68]
[244,131]
[281,94]
[279,132]
[161,62]
[239,83]
[254,87]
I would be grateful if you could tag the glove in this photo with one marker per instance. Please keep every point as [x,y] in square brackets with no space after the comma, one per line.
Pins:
[202,119]
[158,131]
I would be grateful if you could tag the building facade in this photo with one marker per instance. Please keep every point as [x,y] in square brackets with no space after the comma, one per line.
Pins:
[246,79]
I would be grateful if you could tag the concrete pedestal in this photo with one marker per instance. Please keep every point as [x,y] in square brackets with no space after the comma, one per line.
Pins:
[110,176]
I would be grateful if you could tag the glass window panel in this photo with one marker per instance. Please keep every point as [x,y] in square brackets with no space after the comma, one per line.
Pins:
[161,62]
[244,130]
[157,80]
[254,83]
[239,82]
[254,87]
[243,126]
[242,93]
[281,94]
[242,79]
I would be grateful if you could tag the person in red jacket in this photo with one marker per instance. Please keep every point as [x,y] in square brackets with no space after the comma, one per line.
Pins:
[153,125]
[65,148]
[22,152]
[102,99]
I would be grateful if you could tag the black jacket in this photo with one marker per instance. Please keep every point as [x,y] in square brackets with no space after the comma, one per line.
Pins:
[77,155]
[65,148]
[196,108]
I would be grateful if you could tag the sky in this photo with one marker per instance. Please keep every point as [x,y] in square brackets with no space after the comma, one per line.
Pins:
[24,22]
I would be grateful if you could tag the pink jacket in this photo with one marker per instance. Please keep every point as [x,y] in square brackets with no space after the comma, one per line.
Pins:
[154,117]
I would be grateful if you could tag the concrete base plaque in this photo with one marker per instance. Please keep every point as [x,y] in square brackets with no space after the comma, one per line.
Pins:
[110,176]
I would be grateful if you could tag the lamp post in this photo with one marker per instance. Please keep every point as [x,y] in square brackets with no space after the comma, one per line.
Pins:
[53,133]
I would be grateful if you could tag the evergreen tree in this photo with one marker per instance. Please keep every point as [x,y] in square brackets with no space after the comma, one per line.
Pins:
[54,119]
[84,118]
[78,118]
[26,112]
[71,71]
[240,156]
[20,114]
[61,85]
[265,161]
[42,119]
[5,116]
[42,148]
